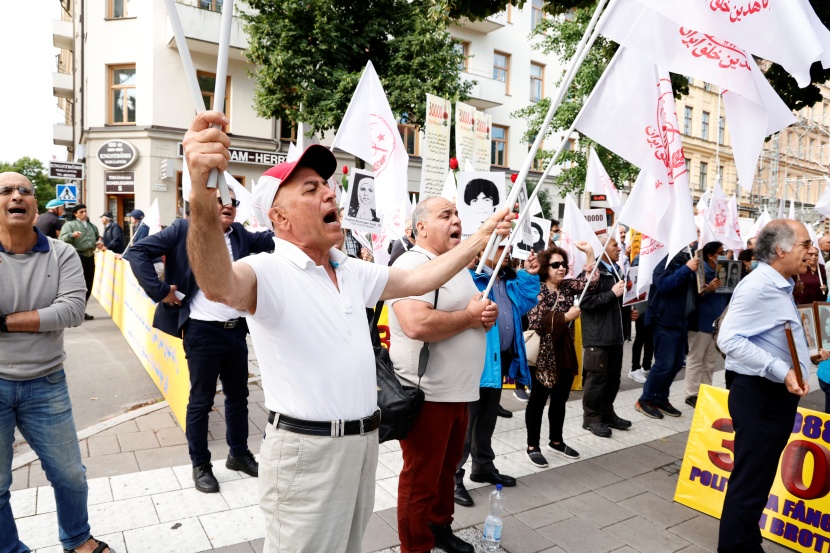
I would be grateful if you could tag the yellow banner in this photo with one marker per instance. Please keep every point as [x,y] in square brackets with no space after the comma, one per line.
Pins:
[797,514]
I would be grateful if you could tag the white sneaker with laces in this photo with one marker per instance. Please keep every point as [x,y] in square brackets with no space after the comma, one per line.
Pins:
[638,376]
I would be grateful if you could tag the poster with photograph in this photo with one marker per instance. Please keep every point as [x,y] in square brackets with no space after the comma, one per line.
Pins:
[808,323]
[729,274]
[361,211]
[701,271]
[480,195]
[539,233]
[630,296]
[822,312]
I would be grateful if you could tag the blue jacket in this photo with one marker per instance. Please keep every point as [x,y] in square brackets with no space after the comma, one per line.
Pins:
[171,242]
[709,307]
[523,291]
[672,294]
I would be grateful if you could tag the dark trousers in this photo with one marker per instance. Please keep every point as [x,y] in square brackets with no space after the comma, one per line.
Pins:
[762,414]
[556,411]
[825,387]
[643,345]
[216,353]
[430,451]
[601,368]
[88,266]
[669,353]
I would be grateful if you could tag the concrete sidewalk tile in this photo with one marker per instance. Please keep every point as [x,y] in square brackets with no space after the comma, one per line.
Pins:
[184,535]
[135,441]
[103,445]
[171,436]
[620,491]
[392,460]
[648,456]
[390,516]
[620,465]
[514,439]
[596,510]
[38,531]
[469,516]
[657,482]
[126,514]
[36,475]
[24,502]
[156,421]
[774,547]
[517,537]
[115,541]
[693,549]
[99,492]
[218,429]
[574,535]
[382,472]
[516,465]
[543,516]
[516,422]
[244,547]
[518,499]
[123,428]
[646,537]
[217,414]
[20,478]
[234,526]
[144,483]
[240,493]
[84,449]
[669,446]
[390,485]
[258,545]
[383,499]
[219,449]
[553,485]
[183,504]
[657,510]
[256,395]
[554,549]
[162,457]
[111,465]
[503,448]
[588,474]
[701,530]
[378,535]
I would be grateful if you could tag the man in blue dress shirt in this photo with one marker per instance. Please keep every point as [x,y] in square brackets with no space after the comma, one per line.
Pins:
[765,393]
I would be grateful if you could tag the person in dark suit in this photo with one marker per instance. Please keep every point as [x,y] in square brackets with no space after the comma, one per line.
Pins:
[113,235]
[213,335]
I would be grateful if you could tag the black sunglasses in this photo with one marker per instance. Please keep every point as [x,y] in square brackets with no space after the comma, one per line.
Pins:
[557,264]
[234,202]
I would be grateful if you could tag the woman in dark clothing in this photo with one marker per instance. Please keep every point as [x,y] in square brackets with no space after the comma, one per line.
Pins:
[810,286]
[556,364]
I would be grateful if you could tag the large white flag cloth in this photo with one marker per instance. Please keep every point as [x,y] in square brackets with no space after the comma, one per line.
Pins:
[632,112]
[153,217]
[369,131]
[823,204]
[786,32]
[753,108]
[735,220]
[760,223]
[792,210]
[597,181]
[576,229]
[720,221]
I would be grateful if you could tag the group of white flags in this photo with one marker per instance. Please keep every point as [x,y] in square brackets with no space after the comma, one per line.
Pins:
[717,219]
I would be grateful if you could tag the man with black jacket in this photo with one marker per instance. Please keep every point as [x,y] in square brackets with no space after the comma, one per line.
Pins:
[605,326]
[671,300]
[213,335]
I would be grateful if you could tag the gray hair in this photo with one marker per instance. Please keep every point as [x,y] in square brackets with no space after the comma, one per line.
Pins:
[775,235]
[419,215]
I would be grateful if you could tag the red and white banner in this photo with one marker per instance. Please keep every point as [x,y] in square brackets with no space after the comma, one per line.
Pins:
[721,223]
[597,181]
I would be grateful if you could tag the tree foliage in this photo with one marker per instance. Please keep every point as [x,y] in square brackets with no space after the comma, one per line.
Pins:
[34,170]
[310,55]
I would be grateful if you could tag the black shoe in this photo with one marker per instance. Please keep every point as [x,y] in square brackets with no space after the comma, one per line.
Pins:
[618,423]
[598,429]
[505,413]
[564,450]
[204,479]
[648,409]
[462,496]
[244,463]
[88,317]
[668,409]
[449,542]
[493,478]
[691,401]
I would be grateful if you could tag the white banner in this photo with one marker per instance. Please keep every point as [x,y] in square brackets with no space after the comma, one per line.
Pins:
[465,133]
[435,149]
[481,156]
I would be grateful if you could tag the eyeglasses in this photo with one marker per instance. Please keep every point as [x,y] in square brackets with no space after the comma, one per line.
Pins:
[23,190]
[556,264]
[234,202]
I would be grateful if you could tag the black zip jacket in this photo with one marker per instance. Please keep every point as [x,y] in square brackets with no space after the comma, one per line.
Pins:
[605,322]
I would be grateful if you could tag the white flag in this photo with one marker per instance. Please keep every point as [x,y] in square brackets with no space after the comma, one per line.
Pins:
[720,220]
[753,109]
[760,223]
[245,211]
[651,253]
[703,203]
[304,141]
[574,229]
[814,238]
[792,210]
[153,217]
[735,219]
[450,191]
[293,153]
[369,131]
[786,32]
[823,204]
[597,181]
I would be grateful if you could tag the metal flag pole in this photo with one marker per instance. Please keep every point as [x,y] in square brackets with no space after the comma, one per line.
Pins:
[219,89]
[588,39]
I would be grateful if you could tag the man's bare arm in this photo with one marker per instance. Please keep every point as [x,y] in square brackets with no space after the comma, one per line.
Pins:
[420,321]
[24,321]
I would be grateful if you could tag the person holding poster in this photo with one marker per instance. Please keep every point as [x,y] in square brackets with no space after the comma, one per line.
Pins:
[766,390]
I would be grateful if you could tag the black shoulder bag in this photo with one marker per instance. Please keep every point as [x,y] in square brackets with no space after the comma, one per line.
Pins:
[399,405]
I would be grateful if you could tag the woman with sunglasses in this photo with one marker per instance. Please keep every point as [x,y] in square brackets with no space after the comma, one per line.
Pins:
[556,364]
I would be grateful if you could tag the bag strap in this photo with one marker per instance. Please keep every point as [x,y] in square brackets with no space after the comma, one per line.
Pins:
[423,357]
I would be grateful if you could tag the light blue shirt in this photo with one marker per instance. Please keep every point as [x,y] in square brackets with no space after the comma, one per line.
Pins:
[752,335]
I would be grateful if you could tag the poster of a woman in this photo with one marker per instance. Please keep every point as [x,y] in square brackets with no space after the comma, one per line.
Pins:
[362,213]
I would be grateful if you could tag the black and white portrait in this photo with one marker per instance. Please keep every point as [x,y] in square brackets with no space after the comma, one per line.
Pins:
[808,323]
[362,212]
[480,195]
[539,232]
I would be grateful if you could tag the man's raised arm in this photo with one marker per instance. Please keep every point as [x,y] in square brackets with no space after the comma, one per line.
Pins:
[233,284]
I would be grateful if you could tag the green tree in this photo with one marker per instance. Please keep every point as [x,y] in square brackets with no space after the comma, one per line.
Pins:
[33,170]
[310,55]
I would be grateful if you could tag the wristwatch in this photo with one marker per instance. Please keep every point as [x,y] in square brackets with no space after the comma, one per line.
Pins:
[3,327]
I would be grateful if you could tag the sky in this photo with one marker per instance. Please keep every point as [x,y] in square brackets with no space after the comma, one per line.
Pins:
[26,95]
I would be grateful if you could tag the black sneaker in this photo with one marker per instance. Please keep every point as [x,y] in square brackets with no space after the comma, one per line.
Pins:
[204,480]
[88,317]
[648,409]
[691,401]
[598,429]
[536,457]
[244,463]
[505,413]
[618,423]
[668,409]
[562,449]
[449,542]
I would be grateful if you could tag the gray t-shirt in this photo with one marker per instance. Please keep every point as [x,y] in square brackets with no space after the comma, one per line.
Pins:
[455,364]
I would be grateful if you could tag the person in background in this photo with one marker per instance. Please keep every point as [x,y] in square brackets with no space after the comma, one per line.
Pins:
[83,236]
[49,223]
[811,286]
[113,237]
[402,245]
[140,228]
[748,262]
[554,233]
[750,243]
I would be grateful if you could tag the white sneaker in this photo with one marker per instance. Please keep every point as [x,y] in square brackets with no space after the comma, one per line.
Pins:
[638,376]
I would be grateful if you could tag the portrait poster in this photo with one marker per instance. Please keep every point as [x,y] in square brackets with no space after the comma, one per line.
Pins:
[481,155]
[465,133]
[435,148]
[361,207]
[535,242]
[480,195]
[808,322]
[729,274]
[630,296]
[700,275]
[822,311]
[525,229]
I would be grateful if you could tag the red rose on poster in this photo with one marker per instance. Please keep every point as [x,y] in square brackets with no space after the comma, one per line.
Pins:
[453,164]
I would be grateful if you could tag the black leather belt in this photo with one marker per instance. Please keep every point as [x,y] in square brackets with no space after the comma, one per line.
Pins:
[335,429]
[233,323]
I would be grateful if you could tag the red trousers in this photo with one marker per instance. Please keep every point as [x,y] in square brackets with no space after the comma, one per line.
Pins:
[426,486]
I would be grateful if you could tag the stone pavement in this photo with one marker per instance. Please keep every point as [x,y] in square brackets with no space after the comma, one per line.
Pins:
[617,497]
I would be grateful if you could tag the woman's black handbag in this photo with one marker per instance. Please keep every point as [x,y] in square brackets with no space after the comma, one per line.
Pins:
[399,405]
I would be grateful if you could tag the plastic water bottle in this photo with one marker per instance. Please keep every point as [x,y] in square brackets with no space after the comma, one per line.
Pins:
[492,524]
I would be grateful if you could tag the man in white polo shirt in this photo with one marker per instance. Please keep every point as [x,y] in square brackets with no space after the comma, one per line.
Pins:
[305,307]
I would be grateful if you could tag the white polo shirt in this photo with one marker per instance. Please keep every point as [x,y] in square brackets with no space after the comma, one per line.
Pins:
[311,339]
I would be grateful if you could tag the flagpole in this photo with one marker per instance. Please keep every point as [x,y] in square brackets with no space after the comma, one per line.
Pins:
[582,49]
[215,177]
[596,264]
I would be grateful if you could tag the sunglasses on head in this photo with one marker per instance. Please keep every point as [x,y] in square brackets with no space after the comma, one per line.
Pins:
[234,202]
[557,264]
[23,190]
